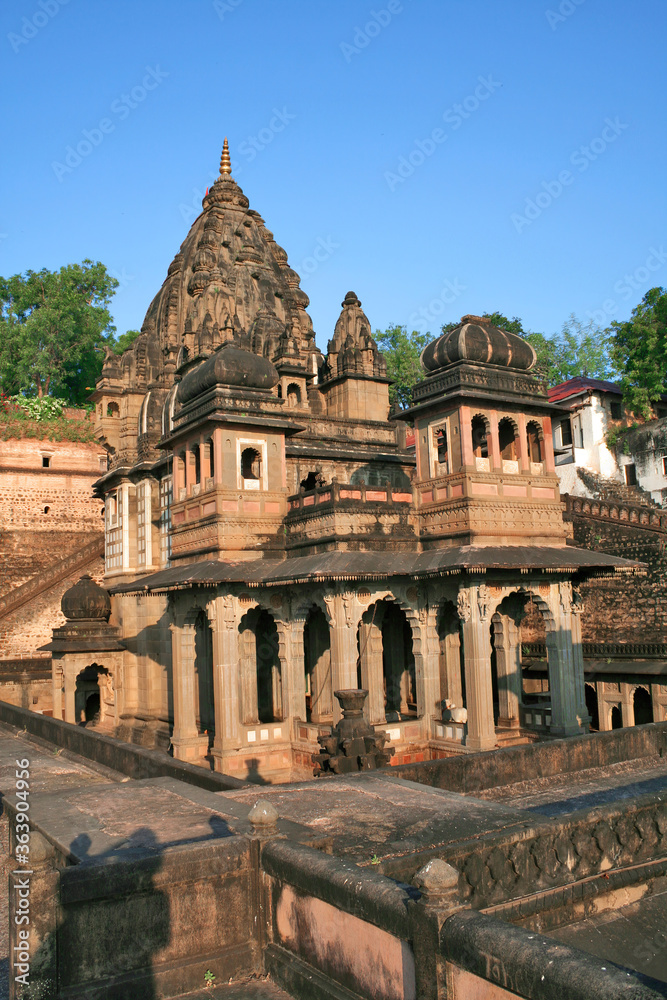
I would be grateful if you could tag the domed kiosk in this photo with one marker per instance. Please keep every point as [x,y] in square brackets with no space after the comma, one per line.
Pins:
[86,658]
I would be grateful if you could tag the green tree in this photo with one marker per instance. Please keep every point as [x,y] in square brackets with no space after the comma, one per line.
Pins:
[125,340]
[54,326]
[402,351]
[639,348]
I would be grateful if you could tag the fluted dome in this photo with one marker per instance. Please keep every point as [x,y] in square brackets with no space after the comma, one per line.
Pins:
[476,339]
[229,366]
[86,600]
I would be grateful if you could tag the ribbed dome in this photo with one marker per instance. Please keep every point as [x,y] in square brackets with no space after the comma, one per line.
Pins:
[229,366]
[86,600]
[476,339]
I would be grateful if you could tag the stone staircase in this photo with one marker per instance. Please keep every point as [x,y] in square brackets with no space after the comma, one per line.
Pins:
[612,491]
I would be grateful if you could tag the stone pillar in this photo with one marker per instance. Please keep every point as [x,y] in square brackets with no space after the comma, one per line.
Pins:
[473,611]
[451,687]
[343,624]
[248,676]
[205,460]
[69,675]
[576,609]
[319,658]
[493,444]
[294,670]
[564,716]
[372,678]
[627,705]
[217,455]
[603,707]
[467,454]
[524,457]
[57,687]
[507,644]
[225,679]
[185,737]
[426,650]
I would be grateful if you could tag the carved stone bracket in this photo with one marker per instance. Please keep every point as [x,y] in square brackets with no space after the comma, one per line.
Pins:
[483,601]
[463,605]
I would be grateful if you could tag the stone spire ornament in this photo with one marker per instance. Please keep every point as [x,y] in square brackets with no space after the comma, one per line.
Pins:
[225,162]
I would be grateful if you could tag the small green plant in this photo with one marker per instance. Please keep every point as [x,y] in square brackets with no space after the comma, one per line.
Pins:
[375,860]
[209,978]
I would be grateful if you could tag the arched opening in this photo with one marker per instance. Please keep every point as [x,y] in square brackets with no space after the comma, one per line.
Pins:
[452,673]
[88,701]
[210,454]
[280,392]
[269,679]
[442,450]
[251,464]
[643,706]
[592,707]
[311,481]
[480,443]
[317,663]
[535,444]
[204,698]
[386,663]
[113,410]
[507,440]
[616,717]
[293,394]
[196,455]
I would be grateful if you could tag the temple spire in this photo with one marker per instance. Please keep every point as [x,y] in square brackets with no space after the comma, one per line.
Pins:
[225,162]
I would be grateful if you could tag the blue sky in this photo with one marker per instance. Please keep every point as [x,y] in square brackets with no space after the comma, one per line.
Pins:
[438,157]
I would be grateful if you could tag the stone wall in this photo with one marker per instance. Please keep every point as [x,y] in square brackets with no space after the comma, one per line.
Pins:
[624,608]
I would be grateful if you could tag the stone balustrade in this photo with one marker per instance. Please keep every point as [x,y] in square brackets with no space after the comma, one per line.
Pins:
[335,493]
[638,515]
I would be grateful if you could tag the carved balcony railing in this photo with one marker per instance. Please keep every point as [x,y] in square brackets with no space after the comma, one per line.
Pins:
[339,493]
[638,515]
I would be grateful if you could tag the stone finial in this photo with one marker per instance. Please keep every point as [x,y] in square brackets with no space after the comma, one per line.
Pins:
[263,816]
[225,162]
[438,883]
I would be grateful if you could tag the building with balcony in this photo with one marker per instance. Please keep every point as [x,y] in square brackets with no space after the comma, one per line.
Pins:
[270,539]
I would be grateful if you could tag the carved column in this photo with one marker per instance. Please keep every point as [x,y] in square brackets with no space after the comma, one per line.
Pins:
[627,705]
[426,648]
[69,675]
[507,644]
[319,658]
[370,648]
[473,610]
[222,612]
[248,674]
[562,683]
[343,623]
[294,670]
[603,707]
[57,687]
[576,610]
[185,737]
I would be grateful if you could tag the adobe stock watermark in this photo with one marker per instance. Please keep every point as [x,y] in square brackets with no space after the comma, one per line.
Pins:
[122,107]
[454,117]
[581,158]
[322,251]
[564,10]
[431,313]
[224,7]
[629,286]
[363,36]
[249,148]
[122,277]
[31,26]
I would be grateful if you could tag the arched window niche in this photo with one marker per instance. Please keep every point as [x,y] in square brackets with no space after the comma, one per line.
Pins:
[535,442]
[509,445]
[480,442]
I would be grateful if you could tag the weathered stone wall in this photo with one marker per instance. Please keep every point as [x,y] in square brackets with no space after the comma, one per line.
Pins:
[624,608]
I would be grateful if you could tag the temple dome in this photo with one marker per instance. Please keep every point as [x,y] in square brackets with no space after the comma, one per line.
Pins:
[86,600]
[477,339]
[228,366]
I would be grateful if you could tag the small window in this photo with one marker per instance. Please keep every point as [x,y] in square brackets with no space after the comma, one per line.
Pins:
[664,465]
[113,410]
[46,461]
[443,451]
[46,510]
[616,409]
[630,475]
[566,432]
[534,442]
[251,464]
[507,440]
[479,438]
[293,394]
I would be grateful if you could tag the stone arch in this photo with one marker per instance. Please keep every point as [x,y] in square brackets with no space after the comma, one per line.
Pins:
[260,638]
[386,661]
[535,441]
[615,717]
[481,435]
[293,394]
[642,705]
[88,701]
[508,439]
[592,706]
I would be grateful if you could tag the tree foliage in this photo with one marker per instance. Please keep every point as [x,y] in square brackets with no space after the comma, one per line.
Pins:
[402,351]
[125,340]
[640,351]
[54,326]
